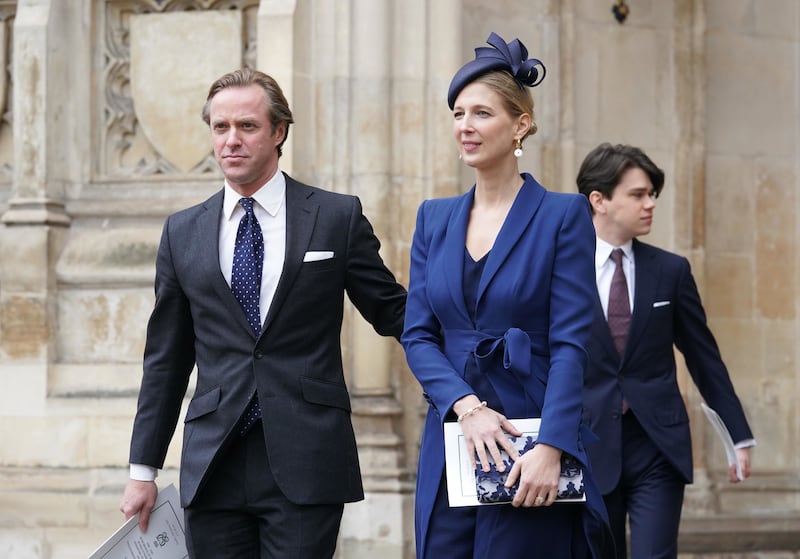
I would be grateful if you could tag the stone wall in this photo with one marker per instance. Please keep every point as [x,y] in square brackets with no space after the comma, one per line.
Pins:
[100,139]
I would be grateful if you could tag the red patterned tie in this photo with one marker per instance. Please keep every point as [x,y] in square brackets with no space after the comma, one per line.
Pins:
[619,307]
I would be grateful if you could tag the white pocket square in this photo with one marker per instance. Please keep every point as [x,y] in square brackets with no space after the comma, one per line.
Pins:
[660,304]
[316,255]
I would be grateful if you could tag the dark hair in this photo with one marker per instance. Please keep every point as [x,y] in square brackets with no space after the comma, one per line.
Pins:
[603,167]
[277,108]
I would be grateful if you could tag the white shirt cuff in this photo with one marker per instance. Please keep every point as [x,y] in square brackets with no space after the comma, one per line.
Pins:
[746,443]
[140,472]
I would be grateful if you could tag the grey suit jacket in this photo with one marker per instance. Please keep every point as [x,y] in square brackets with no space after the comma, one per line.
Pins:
[295,365]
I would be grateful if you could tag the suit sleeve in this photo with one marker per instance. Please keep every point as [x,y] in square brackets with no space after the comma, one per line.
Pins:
[168,361]
[699,348]
[370,285]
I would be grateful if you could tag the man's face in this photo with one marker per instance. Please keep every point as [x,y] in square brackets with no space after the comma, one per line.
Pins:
[629,211]
[245,145]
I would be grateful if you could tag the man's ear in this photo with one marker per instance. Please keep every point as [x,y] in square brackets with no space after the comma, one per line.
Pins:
[280,131]
[596,199]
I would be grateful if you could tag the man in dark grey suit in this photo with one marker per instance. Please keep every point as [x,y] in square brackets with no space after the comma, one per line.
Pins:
[250,290]
[631,396]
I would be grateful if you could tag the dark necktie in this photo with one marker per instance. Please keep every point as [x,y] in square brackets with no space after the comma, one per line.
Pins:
[619,307]
[248,259]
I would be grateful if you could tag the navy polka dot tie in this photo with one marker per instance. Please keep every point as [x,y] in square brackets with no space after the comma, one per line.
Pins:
[248,259]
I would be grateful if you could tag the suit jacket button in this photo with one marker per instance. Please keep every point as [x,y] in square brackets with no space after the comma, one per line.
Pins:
[615,415]
[259,355]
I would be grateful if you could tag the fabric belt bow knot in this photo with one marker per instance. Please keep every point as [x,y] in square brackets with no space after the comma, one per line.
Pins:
[516,346]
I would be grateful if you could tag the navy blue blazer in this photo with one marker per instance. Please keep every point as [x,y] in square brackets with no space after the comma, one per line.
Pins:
[295,364]
[532,319]
[667,311]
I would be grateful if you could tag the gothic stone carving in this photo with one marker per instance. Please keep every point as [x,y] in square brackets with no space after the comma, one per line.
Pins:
[125,149]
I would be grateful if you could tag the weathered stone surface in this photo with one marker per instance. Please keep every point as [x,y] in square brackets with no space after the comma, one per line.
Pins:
[169,86]
[96,152]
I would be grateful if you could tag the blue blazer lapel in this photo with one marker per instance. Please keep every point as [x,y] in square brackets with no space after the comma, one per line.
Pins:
[525,206]
[208,236]
[454,248]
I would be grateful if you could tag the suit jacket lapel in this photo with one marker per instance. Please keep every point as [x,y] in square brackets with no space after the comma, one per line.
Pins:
[301,214]
[647,273]
[519,217]
[208,236]
[600,326]
[454,250]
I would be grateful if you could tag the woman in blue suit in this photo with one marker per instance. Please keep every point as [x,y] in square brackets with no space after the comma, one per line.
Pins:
[499,309]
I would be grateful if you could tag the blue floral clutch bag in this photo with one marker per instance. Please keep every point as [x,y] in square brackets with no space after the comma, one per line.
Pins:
[491,485]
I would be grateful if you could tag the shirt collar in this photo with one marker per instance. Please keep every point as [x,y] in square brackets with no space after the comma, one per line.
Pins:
[603,251]
[270,196]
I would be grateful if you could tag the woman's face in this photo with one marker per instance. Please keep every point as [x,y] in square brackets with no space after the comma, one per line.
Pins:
[483,128]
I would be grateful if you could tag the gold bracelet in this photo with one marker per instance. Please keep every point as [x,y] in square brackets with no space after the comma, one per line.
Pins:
[471,411]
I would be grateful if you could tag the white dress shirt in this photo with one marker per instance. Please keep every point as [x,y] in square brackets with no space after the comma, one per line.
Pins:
[270,210]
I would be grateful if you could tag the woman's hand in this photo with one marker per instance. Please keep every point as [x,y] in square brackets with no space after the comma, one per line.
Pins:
[485,429]
[538,472]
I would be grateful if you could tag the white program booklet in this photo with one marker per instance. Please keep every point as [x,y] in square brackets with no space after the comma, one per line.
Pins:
[461,487]
[724,436]
[164,539]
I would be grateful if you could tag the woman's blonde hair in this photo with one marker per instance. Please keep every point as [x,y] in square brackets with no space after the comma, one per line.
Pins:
[517,99]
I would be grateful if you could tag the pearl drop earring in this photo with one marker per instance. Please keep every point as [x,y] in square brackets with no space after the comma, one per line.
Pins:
[517,148]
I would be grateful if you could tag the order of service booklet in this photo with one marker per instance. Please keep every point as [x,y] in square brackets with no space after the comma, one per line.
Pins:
[462,489]
[164,539]
[724,436]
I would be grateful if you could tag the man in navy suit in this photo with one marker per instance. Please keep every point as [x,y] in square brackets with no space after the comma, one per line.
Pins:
[250,289]
[631,396]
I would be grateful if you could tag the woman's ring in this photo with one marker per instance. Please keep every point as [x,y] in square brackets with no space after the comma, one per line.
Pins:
[539,501]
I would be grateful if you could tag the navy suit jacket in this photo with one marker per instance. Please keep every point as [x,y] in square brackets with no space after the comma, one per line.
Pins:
[667,311]
[295,365]
[532,320]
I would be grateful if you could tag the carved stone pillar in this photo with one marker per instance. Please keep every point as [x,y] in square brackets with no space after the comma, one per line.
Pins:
[688,215]
[370,127]
[34,225]
[275,55]
[383,525]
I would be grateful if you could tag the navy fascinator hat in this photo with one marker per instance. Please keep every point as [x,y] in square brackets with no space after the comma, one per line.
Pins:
[511,57]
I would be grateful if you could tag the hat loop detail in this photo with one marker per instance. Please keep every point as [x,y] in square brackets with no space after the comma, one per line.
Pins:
[511,57]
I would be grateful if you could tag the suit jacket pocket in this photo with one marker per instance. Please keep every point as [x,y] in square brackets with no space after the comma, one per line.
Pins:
[672,415]
[317,266]
[325,393]
[203,404]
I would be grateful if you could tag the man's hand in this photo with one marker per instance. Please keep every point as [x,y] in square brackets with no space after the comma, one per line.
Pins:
[139,497]
[743,457]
